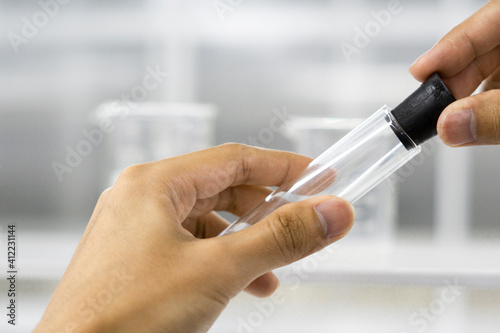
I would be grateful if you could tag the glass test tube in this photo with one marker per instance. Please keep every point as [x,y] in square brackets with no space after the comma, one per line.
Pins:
[365,156]
[350,168]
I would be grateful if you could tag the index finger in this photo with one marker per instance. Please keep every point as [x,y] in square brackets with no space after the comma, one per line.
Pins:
[205,173]
[472,39]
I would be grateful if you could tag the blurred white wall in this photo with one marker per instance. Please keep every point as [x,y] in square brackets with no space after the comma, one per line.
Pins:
[248,59]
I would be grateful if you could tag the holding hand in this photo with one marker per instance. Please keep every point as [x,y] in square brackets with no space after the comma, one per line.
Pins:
[466,57]
[141,265]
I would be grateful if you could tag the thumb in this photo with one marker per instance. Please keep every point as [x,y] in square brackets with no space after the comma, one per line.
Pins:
[290,233]
[471,121]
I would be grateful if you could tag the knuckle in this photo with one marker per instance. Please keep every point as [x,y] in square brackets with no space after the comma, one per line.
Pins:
[137,178]
[234,147]
[133,172]
[290,234]
[229,199]
[239,149]
[241,155]
[105,194]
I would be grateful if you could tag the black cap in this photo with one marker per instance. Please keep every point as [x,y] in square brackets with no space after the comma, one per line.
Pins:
[418,114]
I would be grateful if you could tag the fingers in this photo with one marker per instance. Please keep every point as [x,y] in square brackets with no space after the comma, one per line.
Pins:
[465,44]
[236,200]
[263,286]
[204,174]
[288,234]
[211,225]
[472,121]
[215,169]
[493,82]
[465,57]
[466,82]
[206,226]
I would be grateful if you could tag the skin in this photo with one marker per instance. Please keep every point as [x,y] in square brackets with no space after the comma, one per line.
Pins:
[149,262]
[466,57]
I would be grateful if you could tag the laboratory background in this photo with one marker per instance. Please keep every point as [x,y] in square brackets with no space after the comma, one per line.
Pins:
[90,87]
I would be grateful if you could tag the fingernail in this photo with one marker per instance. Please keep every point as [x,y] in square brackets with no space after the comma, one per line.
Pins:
[336,216]
[459,127]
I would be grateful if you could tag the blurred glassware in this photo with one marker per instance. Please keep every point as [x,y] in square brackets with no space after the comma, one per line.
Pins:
[376,210]
[147,132]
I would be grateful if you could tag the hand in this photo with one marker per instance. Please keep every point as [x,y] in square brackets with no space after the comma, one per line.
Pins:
[141,265]
[466,57]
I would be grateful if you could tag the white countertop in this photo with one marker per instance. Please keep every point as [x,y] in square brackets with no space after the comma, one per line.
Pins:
[44,256]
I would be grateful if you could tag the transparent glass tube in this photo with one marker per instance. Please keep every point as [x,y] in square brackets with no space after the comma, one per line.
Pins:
[350,168]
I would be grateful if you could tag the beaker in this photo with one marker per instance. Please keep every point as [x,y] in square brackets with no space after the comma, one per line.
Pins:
[147,132]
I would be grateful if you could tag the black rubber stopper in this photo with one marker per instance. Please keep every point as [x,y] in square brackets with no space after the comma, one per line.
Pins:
[418,114]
